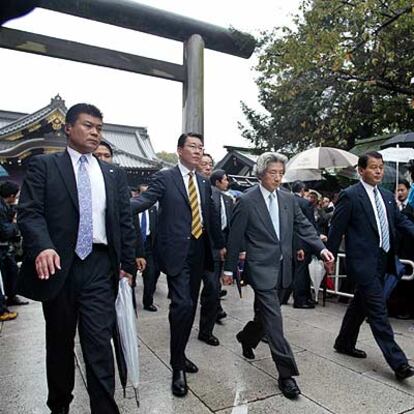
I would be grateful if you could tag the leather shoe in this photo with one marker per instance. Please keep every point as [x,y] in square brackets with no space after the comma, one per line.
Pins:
[288,387]
[306,305]
[404,371]
[353,352]
[247,350]
[179,383]
[151,308]
[209,339]
[223,292]
[16,301]
[190,367]
[62,410]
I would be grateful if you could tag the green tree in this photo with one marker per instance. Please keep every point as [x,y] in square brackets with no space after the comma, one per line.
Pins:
[170,157]
[344,73]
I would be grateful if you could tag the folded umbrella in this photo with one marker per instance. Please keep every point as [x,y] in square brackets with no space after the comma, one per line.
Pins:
[126,318]
[120,358]
[317,273]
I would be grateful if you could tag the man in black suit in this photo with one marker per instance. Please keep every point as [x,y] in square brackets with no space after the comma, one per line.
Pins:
[211,309]
[302,257]
[148,222]
[187,220]
[369,219]
[76,223]
[264,221]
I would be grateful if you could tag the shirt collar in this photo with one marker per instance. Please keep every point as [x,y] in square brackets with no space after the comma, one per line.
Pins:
[368,187]
[184,170]
[265,192]
[75,155]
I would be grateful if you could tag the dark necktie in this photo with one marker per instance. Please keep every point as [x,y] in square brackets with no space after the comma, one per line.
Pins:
[385,234]
[85,230]
[144,225]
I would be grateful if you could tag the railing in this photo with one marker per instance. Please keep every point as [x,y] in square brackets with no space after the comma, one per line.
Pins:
[337,276]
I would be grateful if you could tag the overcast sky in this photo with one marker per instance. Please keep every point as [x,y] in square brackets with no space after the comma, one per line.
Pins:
[29,81]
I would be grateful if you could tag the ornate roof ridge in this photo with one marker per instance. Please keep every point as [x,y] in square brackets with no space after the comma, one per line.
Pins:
[55,103]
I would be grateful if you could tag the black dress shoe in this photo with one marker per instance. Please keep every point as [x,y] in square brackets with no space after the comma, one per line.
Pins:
[288,387]
[223,292]
[62,410]
[305,305]
[247,350]
[190,367]
[221,315]
[151,308]
[353,352]
[16,301]
[209,339]
[404,371]
[179,383]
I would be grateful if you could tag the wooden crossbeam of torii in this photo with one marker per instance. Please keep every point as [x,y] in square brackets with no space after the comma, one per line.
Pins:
[194,34]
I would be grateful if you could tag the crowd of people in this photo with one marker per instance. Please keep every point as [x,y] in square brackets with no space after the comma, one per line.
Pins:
[82,228]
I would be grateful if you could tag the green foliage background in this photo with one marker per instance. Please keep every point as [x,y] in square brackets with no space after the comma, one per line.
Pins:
[343,74]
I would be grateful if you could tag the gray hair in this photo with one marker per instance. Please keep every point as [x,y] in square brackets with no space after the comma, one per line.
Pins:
[267,158]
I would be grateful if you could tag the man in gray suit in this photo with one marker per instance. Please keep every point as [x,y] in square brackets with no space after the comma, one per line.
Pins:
[265,220]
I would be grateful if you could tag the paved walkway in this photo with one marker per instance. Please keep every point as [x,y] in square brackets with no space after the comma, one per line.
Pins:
[226,383]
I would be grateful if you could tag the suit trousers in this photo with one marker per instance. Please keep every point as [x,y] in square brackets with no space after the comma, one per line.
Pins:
[369,301]
[210,299]
[10,272]
[301,280]
[268,321]
[150,275]
[87,299]
[184,289]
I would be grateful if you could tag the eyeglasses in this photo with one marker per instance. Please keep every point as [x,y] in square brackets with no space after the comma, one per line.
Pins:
[195,147]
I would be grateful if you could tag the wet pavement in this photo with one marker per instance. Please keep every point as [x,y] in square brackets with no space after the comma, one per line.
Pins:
[226,382]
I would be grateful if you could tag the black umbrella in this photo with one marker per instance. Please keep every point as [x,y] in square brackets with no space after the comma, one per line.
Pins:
[403,140]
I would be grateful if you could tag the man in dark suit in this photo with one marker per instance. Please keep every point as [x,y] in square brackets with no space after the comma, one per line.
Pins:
[369,219]
[265,220]
[187,220]
[211,309]
[302,257]
[148,221]
[78,237]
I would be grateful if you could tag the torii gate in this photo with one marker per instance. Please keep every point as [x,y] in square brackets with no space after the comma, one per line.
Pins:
[194,34]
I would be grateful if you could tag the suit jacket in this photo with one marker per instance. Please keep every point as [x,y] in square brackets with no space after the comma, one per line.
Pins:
[48,217]
[307,210]
[153,219]
[354,217]
[217,195]
[174,218]
[251,224]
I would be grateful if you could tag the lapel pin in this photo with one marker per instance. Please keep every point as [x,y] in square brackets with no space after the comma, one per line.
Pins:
[111,171]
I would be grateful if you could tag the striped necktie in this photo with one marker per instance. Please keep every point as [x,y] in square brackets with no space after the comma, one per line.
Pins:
[196,229]
[385,234]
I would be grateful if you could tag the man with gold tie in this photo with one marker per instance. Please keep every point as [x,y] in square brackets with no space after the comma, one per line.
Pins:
[188,226]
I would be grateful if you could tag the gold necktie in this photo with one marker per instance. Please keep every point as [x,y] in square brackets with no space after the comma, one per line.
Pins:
[196,229]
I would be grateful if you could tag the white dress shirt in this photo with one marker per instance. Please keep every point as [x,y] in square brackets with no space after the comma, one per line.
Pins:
[223,215]
[147,227]
[370,191]
[184,173]
[98,193]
